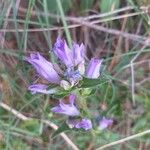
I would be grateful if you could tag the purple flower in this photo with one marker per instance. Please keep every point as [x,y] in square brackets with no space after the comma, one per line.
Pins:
[104,123]
[93,69]
[63,52]
[84,124]
[80,124]
[40,88]
[73,76]
[67,109]
[44,68]
[78,54]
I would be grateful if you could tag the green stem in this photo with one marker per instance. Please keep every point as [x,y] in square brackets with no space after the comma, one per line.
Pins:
[82,104]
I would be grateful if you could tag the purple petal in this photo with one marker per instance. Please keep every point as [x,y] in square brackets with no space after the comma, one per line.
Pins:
[43,67]
[34,56]
[78,53]
[71,122]
[104,123]
[85,123]
[66,109]
[72,98]
[63,52]
[93,69]
[40,88]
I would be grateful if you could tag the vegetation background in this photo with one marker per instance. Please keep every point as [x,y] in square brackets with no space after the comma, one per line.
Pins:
[116,30]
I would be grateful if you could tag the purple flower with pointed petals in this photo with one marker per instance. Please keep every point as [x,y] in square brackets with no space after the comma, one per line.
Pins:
[78,54]
[93,69]
[84,123]
[104,123]
[44,68]
[63,52]
[40,88]
[67,109]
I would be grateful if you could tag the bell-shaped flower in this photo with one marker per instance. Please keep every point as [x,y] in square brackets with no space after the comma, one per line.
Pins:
[84,123]
[44,68]
[67,109]
[105,123]
[93,69]
[41,88]
[78,53]
[78,57]
[63,52]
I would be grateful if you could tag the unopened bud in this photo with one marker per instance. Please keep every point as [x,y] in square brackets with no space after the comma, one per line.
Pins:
[65,84]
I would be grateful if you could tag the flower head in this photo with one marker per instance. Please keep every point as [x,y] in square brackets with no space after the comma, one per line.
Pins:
[84,123]
[93,69]
[66,76]
[104,123]
[67,109]
[73,76]
[43,67]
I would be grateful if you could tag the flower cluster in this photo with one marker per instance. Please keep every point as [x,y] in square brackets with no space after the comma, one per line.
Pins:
[68,74]
[71,110]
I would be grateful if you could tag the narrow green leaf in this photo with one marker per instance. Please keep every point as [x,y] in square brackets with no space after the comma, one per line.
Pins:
[60,95]
[109,5]
[86,4]
[86,82]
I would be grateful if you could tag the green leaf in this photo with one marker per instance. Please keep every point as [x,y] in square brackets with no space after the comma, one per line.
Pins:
[86,82]
[51,6]
[86,4]
[61,93]
[64,127]
[109,5]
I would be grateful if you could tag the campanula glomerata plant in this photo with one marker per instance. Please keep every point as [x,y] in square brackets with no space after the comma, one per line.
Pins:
[72,78]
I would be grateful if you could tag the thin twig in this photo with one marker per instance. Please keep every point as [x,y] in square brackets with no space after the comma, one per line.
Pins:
[68,18]
[109,13]
[118,47]
[89,24]
[13,111]
[24,137]
[51,124]
[124,139]
[118,17]
[39,29]
[129,65]
[101,20]
[144,80]
[132,71]
[133,37]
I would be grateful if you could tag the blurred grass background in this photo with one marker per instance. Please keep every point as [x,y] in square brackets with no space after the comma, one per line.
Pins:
[116,30]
